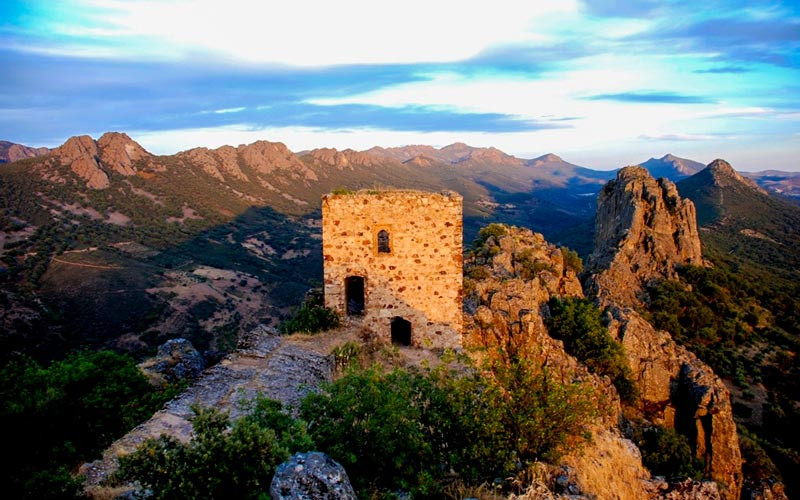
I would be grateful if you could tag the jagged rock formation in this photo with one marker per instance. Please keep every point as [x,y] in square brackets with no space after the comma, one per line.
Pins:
[93,161]
[644,230]
[506,304]
[311,475]
[514,275]
[264,158]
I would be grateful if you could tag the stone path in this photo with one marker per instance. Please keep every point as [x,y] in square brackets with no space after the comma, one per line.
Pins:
[264,363]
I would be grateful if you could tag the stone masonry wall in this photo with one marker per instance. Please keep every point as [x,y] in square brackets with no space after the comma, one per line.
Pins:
[419,279]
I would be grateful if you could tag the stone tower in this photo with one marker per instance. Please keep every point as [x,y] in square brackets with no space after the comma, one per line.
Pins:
[393,260]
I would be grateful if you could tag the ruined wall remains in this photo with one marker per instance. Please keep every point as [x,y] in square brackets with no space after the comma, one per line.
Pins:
[392,257]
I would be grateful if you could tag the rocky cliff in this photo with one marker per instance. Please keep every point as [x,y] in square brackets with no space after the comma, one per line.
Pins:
[510,277]
[644,230]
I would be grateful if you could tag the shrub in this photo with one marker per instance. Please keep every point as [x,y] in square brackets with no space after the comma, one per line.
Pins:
[311,317]
[482,246]
[409,430]
[579,324]
[667,453]
[527,267]
[572,260]
[346,354]
[222,460]
[65,413]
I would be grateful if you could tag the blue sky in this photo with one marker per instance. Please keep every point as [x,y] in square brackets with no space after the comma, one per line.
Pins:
[602,83]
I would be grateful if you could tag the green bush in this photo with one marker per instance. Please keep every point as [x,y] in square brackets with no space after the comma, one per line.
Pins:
[572,260]
[409,431]
[65,413]
[311,317]
[222,460]
[667,453]
[579,324]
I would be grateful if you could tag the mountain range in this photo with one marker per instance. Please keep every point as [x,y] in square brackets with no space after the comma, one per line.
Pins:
[207,242]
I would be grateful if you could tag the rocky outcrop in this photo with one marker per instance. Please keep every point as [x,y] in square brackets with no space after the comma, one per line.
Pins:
[119,152]
[511,277]
[176,359]
[509,281]
[265,157]
[249,162]
[81,154]
[644,230]
[93,161]
[311,475]
[346,159]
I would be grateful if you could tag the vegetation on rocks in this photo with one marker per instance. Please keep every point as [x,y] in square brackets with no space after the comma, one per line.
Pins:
[748,333]
[311,317]
[414,431]
[59,415]
[579,324]
[667,453]
[223,460]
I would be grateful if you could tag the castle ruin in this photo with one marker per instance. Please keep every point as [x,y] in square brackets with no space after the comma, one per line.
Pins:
[393,261]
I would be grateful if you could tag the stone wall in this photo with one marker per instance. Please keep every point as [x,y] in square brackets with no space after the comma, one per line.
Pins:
[419,279]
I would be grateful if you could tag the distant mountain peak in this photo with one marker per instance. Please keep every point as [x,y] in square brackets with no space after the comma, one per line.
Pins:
[422,160]
[722,167]
[724,175]
[544,160]
[10,152]
[672,167]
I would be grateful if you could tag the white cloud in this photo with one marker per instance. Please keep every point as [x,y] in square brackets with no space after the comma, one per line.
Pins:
[320,33]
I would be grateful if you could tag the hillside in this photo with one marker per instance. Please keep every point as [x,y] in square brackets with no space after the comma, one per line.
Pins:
[209,242]
[743,223]
[743,316]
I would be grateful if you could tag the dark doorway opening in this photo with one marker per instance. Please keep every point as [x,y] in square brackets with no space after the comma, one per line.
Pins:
[401,331]
[354,295]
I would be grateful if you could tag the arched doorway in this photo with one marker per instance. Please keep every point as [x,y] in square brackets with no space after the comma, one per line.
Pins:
[401,331]
[354,295]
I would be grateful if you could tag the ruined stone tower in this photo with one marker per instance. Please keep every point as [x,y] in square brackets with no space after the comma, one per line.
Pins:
[393,260]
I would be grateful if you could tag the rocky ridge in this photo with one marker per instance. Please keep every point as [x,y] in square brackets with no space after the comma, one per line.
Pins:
[644,230]
[506,306]
[10,152]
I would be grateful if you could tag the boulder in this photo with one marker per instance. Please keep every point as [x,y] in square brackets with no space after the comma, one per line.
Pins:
[176,359]
[311,476]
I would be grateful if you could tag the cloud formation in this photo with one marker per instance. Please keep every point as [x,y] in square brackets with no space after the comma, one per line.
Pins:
[589,76]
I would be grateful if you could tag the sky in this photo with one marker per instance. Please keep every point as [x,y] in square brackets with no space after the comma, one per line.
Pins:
[602,83]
